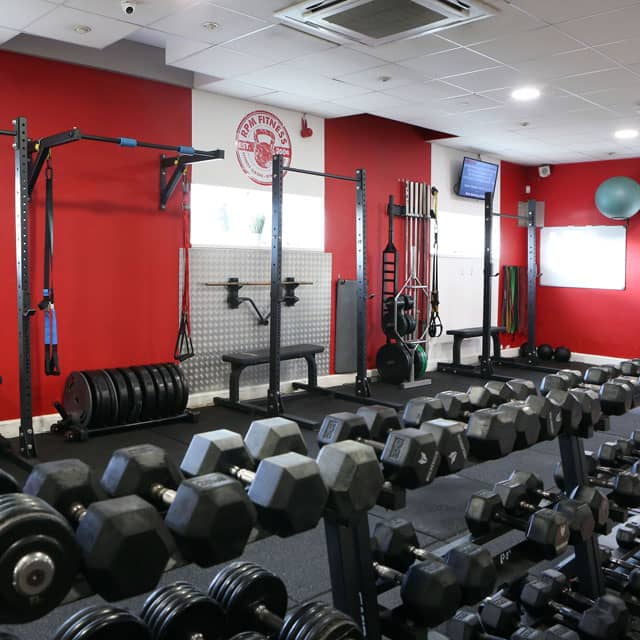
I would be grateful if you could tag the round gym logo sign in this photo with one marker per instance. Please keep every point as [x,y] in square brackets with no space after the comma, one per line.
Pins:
[259,136]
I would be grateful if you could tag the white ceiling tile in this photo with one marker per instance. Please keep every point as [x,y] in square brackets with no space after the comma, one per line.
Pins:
[284,77]
[306,105]
[626,51]
[528,45]
[232,87]
[220,62]
[372,100]
[604,28]
[429,91]
[487,79]
[565,64]
[146,11]
[469,102]
[149,37]
[385,77]
[337,61]
[7,34]
[404,49]
[506,20]
[554,11]
[177,48]
[278,43]
[613,98]
[263,9]
[59,24]
[587,83]
[449,63]
[504,95]
[18,14]
[189,21]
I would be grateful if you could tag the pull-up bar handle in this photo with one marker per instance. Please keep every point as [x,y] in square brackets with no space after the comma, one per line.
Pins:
[320,174]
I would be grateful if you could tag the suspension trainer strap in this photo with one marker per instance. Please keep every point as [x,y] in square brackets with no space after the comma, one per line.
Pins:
[51,363]
[435,323]
[184,346]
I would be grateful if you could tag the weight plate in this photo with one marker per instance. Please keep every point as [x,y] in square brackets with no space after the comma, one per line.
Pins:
[149,396]
[101,394]
[111,416]
[135,395]
[170,387]
[39,558]
[103,623]
[162,407]
[181,383]
[179,611]
[393,363]
[419,362]
[122,393]
[77,399]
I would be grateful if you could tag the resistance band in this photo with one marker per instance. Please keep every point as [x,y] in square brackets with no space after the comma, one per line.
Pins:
[435,324]
[184,345]
[51,363]
[514,299]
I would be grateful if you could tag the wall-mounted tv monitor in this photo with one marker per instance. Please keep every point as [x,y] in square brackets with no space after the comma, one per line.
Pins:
[476,178]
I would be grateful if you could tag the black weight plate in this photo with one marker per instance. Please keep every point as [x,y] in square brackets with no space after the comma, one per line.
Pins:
[77,399]
[122,392]
[149,395]
[171,391]
[111,417]
[135,395]
[102,623]
[101,394]
[163,408]
[394,363]
[181,384]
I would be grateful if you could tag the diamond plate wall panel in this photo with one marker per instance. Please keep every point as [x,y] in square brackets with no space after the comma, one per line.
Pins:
[217,329]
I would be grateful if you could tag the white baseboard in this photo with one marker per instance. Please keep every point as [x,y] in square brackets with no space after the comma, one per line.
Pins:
[42,424]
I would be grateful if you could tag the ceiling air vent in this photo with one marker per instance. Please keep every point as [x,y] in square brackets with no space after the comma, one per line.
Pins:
[375,22]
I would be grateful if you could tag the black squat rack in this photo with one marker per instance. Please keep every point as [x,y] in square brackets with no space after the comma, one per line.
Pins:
[30,158]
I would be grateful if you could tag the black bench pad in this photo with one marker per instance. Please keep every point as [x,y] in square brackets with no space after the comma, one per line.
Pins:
[242,359]
[261,356]
[474,332]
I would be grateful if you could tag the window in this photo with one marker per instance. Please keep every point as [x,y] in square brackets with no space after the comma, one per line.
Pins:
[461,235]
[233,217]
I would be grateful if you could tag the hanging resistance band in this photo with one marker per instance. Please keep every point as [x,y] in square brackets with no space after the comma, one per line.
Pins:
[51,363]
[184,346]
[435,324]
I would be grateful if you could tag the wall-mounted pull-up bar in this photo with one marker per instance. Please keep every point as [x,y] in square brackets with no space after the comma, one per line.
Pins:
[188,155]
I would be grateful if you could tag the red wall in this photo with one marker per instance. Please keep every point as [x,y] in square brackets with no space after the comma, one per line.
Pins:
[116,254]
[513,239]
[390,151]
[592,321]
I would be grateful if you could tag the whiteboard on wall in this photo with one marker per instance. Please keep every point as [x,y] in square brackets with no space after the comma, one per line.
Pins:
[583,257]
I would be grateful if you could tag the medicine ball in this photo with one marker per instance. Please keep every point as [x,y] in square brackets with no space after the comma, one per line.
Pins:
[618,198]
[523,351]
[545,352]
[562,354]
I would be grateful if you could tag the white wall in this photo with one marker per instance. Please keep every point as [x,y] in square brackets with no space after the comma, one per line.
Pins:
[460,276]
[215,120]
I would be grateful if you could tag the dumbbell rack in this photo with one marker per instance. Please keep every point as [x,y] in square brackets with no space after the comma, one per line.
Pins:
[355,589]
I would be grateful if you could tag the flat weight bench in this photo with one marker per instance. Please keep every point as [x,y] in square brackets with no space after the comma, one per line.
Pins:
[242,359]
[475,332]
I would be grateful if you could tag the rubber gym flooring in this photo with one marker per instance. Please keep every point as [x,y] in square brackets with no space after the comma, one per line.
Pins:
[437,511]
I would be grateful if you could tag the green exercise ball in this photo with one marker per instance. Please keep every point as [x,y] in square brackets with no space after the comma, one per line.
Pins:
[618,198]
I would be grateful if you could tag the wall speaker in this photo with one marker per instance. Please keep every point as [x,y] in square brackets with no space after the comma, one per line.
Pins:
[544,170]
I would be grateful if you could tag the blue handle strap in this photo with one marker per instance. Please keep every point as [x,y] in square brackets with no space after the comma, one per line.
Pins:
[189,151]
[128,142]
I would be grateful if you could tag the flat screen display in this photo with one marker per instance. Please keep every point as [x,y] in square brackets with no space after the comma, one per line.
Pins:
[476,178]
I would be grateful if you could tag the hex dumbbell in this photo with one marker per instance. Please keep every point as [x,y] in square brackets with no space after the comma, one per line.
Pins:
[210,516]
[287,490]
[395,544]
[548,530]
[409,457]
[467,625]
[124,543]
[420,409]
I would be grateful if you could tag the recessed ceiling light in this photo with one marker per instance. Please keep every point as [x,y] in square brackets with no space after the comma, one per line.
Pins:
[525,93]
[626,134]
[210,26]
[82,28]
